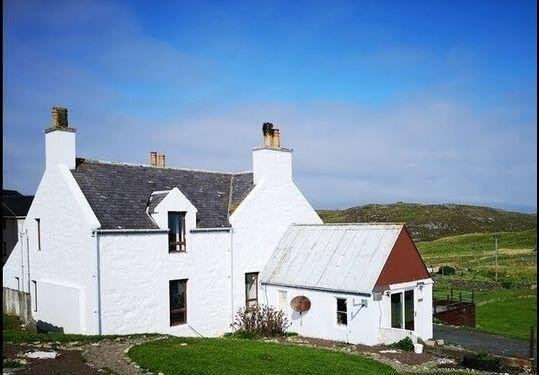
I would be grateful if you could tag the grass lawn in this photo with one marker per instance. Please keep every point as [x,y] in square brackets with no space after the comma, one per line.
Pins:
[505,312]
[234,356]
[473,255]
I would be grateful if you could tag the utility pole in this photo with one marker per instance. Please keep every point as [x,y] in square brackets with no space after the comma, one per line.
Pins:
[496,254]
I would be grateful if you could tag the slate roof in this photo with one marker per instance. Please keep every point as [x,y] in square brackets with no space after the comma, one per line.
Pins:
[15,204]
[333,257]
[119,193]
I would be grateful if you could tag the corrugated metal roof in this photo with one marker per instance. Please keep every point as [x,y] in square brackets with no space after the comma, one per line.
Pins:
[336,257]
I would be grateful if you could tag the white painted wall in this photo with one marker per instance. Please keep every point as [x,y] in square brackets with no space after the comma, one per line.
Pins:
[369,325]
[67,257]
[60,148]
[261,219]
[135,274]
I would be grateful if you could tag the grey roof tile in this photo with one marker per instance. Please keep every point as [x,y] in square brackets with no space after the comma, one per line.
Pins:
[119,193]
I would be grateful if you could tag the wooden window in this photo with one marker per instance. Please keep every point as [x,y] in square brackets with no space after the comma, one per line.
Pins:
[409,310]
[283,300]
[342,312]
[18,281]
[251,289]
[178,302]
[34,284]
[176,232]
[38,221]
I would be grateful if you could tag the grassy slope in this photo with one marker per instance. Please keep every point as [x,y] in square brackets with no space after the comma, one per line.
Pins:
[474,253]
[506,312]
[428,222]
[233,356]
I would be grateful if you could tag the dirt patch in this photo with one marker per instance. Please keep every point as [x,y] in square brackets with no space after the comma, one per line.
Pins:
[66,362]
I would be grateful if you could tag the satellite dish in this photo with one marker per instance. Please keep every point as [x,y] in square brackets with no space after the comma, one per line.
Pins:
[300,304]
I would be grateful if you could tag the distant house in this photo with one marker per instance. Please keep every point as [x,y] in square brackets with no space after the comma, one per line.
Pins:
[117,248]
[15,206]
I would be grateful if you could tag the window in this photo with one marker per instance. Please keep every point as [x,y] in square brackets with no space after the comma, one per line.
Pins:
[178,302]
[282,300]
[342,312]
[4,223]
[396,310]
[402,310]
[176,232]
[34,284]
[18,283]
[4,248]
[38,221]
[251,289]
[409,310]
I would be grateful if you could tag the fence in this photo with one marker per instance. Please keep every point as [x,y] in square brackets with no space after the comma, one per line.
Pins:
[457,312]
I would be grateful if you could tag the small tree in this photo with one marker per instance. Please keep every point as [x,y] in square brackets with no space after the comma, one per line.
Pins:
[260,321]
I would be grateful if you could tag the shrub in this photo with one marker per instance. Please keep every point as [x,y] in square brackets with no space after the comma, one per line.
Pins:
[259,321]
[447,270]
[405,344]
[482,361]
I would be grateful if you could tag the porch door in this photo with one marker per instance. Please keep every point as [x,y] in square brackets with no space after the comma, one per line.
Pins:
[409,310]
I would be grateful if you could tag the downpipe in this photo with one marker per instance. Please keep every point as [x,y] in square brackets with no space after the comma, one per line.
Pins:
[98,282]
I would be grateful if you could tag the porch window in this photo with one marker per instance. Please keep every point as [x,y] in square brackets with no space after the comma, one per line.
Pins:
[178,302]
[409,310]
[176,232]
[251,289]
[342,312]
[396,310]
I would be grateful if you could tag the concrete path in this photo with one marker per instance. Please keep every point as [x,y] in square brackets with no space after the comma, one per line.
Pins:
[483,342]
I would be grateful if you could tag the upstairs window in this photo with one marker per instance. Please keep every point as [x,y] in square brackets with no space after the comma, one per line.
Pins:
[176,232]
[342,312]
[251,289]
[38,221]
[178,302]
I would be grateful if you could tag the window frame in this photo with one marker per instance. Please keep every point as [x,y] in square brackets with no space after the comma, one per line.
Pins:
[179,310]
[34,284]
[341,312]
[247,299]
[38,221]
[180,243]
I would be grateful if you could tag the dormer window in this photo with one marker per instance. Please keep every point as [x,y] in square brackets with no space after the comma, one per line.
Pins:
[176,232]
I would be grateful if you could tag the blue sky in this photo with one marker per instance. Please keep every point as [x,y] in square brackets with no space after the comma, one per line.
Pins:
[383,101]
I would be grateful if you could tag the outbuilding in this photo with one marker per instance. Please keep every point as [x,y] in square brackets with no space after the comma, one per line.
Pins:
[356,283]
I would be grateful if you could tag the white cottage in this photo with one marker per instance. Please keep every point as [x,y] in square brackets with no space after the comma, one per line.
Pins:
[116,248]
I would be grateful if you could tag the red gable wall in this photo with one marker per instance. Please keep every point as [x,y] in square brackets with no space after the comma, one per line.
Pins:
[403,263]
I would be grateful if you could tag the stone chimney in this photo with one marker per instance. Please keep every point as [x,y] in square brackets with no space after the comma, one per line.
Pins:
[161,160]
[60,140]
[272,163]
[153,159]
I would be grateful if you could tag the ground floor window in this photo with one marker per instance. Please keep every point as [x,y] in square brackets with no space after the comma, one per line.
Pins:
[178,302]
[251,289]
[342,312]
[282,300]
[402,310]
[34,302]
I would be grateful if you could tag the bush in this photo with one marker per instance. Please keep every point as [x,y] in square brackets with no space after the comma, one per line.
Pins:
[259,321]
[447,270]
[405,344]
[482,361]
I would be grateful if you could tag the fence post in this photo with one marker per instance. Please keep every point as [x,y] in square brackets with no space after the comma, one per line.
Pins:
[451,294]
[473,299]
[460,296]
[531,342]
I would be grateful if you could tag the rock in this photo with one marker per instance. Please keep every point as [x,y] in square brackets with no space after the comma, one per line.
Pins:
[95,344]
[440,342]
[23,361]
[183,344]
[429,342]
[160,373]
[41,354]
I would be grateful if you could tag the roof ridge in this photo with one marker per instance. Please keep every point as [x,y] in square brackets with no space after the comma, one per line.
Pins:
[153,166]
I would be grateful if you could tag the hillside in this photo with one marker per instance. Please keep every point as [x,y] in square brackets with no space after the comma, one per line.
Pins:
[429,222]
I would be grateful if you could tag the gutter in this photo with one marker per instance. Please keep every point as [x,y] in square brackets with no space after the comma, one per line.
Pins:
[362,294]
[105,231]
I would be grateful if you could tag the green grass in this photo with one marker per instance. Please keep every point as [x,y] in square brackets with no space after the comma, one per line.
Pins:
[429,222]
[473,255]
[506,312]
[11,322]
[234,356]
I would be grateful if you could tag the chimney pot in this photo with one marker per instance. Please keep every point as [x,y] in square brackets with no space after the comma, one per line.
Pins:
[153,158]
[161,160]
[272,138]
[59,118]
[276,139]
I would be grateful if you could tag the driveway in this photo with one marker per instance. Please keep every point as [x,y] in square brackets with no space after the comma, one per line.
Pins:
[483,342]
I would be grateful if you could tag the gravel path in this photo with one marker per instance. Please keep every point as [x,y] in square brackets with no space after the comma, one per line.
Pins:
[482,342]
[112,355]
